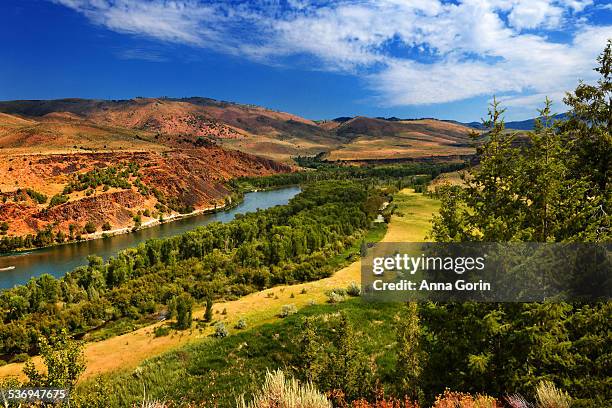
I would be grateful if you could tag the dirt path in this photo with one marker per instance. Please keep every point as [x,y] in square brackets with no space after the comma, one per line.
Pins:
[129,350]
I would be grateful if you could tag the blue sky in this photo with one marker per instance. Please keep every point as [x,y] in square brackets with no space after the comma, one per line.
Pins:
[319,59]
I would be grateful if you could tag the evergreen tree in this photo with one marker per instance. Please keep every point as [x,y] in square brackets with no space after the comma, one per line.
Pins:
[184,311]
[208,313]
[410,355]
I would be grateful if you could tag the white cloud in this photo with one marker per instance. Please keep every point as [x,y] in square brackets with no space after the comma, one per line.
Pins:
[447,51]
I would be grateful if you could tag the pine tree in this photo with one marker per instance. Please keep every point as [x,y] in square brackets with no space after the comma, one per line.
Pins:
[410,355]
[208,313]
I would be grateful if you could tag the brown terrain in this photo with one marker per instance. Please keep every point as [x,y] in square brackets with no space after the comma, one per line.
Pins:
[185,151]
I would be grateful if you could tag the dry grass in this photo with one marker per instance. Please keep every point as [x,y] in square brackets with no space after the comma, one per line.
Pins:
[281,392]
[549,396]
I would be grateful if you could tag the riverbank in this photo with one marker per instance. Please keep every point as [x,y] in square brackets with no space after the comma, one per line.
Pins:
[126,230]
[59,259]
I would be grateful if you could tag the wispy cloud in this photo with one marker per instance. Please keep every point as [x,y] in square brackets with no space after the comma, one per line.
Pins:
[140,54]
[408,52]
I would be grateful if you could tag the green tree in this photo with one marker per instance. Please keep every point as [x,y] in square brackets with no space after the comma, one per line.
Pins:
[184,311]
[521,193]
[208,313]
[63,360]
[590,123]
[90,227]
[410,356]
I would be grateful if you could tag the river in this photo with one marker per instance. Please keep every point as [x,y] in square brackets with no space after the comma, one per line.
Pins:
[58,260]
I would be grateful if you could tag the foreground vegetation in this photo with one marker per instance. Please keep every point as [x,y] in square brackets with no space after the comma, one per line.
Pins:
[352,350]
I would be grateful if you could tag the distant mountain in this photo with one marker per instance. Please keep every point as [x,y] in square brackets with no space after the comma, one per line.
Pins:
[527,124]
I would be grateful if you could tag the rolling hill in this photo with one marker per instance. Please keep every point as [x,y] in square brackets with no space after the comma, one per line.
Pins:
[252,129]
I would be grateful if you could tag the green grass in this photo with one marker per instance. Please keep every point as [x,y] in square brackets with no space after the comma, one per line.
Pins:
[225,368]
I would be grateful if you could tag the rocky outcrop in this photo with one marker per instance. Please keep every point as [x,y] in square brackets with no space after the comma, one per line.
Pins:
[100,208]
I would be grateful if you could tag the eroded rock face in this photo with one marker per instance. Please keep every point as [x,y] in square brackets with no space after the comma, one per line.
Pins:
[191,178]
[98,208]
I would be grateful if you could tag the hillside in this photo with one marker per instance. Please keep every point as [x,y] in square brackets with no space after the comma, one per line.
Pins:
[113,187]
[376,139]
[253,129]
[65,132]
[268,133]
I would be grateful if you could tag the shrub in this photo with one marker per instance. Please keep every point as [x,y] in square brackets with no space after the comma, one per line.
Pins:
[90,227]
[517,401]
[460,400]
[106,226]
[385,403]
[57,200]
[161,331]
[137,220]
[549,396]
[279,391]
[288,310]
[336,295]
[40,198]
[221,330]
[241,325]
[353,289]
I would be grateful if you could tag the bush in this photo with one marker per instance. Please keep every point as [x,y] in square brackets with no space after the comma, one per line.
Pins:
[336,295]
[353,289]
[161,331]
[221,330]
[279,391]
[241,325]
[106,226]
[40,198]
[288,310]
[90,227]
[57,200]
[460,400]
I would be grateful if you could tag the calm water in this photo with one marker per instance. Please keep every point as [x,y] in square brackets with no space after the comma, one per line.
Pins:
[61,259]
